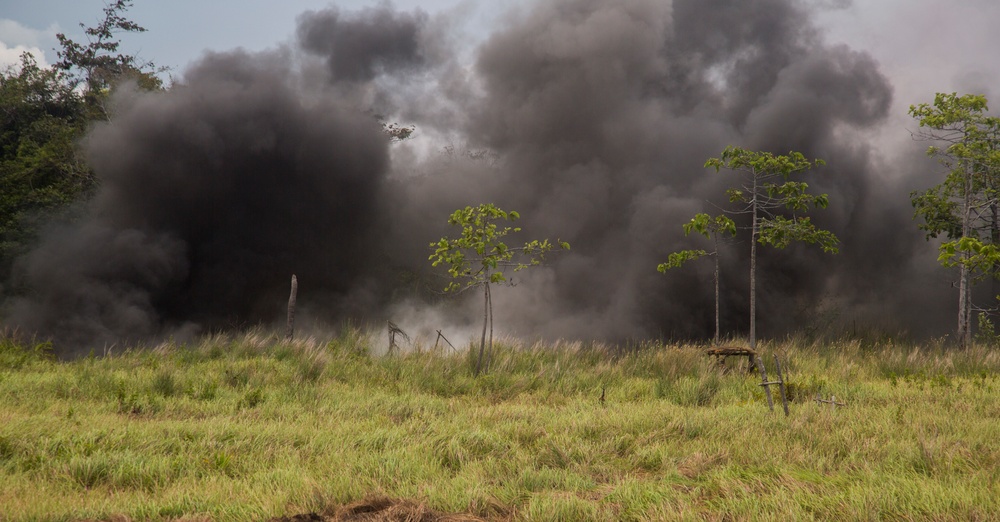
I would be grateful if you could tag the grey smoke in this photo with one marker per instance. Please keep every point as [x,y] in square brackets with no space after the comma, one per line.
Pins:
[359,46]
[598,117]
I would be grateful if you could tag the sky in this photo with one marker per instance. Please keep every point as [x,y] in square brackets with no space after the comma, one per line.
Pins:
[178,32]
[921,45]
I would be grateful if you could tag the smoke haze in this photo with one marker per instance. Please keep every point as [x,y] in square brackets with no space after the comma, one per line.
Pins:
[591,118]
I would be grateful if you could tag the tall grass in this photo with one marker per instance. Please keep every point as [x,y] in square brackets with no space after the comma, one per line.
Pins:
[247,427]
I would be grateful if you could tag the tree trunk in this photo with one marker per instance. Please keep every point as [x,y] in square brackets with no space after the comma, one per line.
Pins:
[964,304]
[716,237]
[995,240]
[482,341]
[290,325]
[753,268]
[489,346]
[965,275]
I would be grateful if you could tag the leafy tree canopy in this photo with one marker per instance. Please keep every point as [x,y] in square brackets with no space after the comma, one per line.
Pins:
[965,206]
[479,255]
[45,113]
[40,169]
[706,225]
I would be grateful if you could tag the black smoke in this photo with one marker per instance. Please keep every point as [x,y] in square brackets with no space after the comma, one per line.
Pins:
[591,118]
[212,195]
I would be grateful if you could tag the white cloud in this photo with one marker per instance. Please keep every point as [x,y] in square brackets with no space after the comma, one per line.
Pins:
[12,55]
[12,32]
[16,39]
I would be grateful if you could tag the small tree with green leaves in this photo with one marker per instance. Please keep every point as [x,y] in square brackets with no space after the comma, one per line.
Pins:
[99,65]
[712,228]
[775,205]
[479,258]
[965,206]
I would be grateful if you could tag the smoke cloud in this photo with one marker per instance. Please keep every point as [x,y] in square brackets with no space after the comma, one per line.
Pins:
[359,46]
[591,118]
[212,195]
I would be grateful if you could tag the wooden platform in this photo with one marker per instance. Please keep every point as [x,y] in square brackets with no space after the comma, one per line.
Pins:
[721,352]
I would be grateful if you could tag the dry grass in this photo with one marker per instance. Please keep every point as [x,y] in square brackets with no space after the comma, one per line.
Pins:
[251,428]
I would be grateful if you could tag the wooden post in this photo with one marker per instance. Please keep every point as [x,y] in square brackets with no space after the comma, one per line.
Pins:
[447,341]
[290,327]
[781,385]
[392,336]
[832,402]
[764,383]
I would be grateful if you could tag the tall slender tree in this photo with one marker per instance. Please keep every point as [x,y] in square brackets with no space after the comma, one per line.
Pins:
[479,258]
[712,228]
[963,207]
[774,204]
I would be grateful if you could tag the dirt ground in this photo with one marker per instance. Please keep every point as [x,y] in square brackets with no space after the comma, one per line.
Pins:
[381,510]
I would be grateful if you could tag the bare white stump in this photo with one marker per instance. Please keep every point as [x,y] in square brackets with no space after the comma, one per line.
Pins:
[290,327]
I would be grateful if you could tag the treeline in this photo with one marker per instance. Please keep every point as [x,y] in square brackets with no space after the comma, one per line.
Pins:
[46,111]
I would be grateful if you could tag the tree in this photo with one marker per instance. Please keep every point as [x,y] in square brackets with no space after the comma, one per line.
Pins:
[40,168]
[964,206]
[44,114]
[479,257]
[99,65]
[766,190]
[712,228]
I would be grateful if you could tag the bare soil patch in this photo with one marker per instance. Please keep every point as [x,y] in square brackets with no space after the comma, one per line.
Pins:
[381,510]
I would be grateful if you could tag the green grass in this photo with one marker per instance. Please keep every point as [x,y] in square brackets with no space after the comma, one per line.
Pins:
[247,427]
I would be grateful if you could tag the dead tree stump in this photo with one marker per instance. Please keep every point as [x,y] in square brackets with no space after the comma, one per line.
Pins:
[290,326]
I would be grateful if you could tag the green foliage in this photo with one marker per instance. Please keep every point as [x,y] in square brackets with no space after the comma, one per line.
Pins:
[15,355]
[765,163]
[969,251]
[706,225]
[774,203]
[98,63]
[940,213]
[712,228]
[768,197]
[480,256]
[971,154]
[780,232]
[40,168]
[986,333]
[965,206]
[967,142]
[44,118]
[677,259]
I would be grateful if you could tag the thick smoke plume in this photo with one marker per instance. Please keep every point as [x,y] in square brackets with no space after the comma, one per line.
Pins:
[212,195]
[591,118]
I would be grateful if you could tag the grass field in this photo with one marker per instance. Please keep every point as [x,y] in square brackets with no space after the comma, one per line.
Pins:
[248,428]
